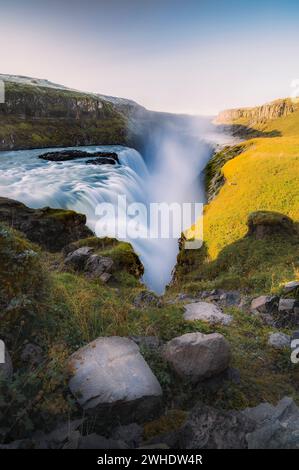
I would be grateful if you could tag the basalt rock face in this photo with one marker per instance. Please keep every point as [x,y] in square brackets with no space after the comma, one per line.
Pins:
[51,228]
[35,115]
[259,114]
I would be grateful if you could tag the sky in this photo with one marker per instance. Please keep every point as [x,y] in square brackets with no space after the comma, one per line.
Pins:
[185,56]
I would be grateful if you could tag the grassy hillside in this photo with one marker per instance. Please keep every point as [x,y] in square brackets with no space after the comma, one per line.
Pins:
[60,310]
[263,175]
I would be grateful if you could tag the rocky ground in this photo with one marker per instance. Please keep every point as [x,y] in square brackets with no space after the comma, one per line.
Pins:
[94,360]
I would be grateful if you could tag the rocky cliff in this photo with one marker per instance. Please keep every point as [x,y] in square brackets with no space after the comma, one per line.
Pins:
[37,113]
[258,114]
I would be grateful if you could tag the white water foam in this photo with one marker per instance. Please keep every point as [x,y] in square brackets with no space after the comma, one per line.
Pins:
[172,174]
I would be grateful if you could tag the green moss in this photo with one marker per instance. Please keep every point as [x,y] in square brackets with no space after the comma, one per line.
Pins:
[20,268]
[99,244]
[22,280]
[60,214]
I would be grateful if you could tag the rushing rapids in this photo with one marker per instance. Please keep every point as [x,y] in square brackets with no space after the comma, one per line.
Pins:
[169,173]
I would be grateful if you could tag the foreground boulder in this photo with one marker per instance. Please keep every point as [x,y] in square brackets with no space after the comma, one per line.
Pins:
[196,356]
[109,377]
[50,228]
[208,312]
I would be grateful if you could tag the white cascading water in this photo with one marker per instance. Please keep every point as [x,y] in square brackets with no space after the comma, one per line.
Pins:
[172,174]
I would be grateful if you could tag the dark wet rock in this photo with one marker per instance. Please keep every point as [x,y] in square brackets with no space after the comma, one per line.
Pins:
[196,356]
[102,161]
[209,428]
[147,299]
[66,155]
[51,228]
[110,378]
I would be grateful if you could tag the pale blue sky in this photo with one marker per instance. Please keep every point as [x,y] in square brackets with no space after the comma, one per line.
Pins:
[193,56]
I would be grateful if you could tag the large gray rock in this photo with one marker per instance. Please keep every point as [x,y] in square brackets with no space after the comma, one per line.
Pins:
[111,377]
[279,340]
[206,311]
[209,428]
[196,356]
[276,427]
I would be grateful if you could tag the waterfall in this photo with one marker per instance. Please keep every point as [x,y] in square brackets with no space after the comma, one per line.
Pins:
[175,156]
